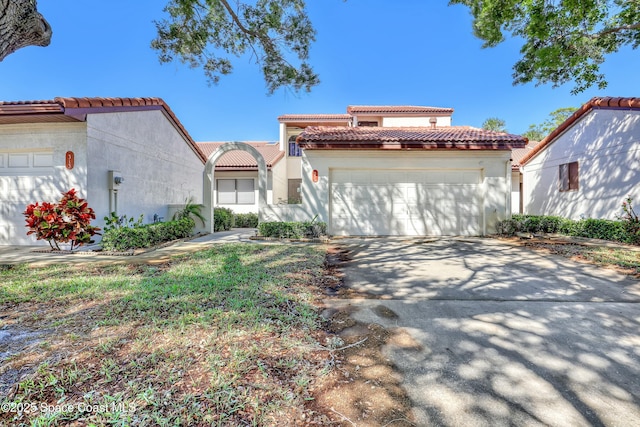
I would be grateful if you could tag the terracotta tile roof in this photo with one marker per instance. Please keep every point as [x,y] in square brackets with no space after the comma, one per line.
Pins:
[396,109]
[307,117]
[76,109]
[389,138]
[518,154]
[241,160]
[605,103]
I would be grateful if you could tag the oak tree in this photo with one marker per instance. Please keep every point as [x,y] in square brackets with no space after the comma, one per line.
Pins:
[205,33]
[564,40]
[21,25]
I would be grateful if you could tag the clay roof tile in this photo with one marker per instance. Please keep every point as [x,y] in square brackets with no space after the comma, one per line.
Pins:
[25,111]
[450,137]
[594,103]
[242,160]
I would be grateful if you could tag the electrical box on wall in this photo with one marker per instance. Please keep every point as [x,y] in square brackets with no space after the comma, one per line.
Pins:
[115,180]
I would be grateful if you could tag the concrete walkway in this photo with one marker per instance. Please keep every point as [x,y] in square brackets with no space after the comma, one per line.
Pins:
[26,255]
[501,335]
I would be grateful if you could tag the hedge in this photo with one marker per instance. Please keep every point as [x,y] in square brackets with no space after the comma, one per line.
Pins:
[247,220]
[125,238]
[292,230]
[223,219]
[605,229]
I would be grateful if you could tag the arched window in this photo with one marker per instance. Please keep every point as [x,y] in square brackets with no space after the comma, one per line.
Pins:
[294,148]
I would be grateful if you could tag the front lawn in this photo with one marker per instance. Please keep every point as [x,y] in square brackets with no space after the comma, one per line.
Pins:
[226,336]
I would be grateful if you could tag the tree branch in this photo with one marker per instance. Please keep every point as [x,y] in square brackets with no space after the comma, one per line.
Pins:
[616,30]
[265,41]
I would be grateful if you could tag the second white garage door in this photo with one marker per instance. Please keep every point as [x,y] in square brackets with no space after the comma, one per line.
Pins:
[406,203]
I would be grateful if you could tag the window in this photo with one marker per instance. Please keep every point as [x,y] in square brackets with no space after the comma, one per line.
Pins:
[294,148]
[236,191]
[569,176]
[367,124]
[294,196]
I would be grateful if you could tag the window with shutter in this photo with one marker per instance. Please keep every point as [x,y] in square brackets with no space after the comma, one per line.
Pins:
[236,191]
[568,176]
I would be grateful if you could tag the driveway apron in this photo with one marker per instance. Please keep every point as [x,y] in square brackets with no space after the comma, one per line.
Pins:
[503,336]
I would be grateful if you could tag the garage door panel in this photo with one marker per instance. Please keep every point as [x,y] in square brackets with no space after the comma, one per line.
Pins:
[419,202]
[360,177]
[18,160]
[470,178]
[342,176]
[25,177]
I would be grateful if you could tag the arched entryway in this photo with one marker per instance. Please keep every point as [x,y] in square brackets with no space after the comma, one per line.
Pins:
[209,178]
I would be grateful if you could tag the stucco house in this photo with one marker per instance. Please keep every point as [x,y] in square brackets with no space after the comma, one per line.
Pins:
[236,175]
[397,170]
[130,155]
[588,165]
[517,179]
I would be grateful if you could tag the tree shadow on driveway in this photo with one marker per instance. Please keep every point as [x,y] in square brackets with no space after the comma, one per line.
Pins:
[506,336]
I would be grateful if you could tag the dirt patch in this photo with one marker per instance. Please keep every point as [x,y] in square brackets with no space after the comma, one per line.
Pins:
[13,341]
[589,253]
[332,282]
[364,389]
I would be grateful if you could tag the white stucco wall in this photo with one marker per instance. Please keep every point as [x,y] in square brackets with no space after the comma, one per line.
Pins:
[30,179]
[158,166]
[606,145]
[515,192]
[294,167]
[278,181]
[495,166]
[414,121]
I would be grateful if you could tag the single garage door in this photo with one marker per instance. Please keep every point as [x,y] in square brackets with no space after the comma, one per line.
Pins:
[25,177]
[406,203]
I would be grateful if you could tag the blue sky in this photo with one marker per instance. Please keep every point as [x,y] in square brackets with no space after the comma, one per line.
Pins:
[368,52]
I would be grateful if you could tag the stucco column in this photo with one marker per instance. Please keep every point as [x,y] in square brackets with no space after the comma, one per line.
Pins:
[209,198]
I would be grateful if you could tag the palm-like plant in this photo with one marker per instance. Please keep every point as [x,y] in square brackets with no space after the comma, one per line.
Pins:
[190,210]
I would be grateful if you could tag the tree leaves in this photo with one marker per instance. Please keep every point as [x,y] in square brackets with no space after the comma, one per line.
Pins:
[277,34]
[564,40]
[495,124]
[537,132]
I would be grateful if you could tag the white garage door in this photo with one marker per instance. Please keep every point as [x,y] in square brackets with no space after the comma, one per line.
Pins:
[406,203]
[25,177]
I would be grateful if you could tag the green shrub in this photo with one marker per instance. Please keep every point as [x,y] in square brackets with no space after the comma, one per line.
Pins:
[247,220]
[190,210]
[631,222]
[603,229]
[223,219]
[144,236]
[292,230]
[591,228]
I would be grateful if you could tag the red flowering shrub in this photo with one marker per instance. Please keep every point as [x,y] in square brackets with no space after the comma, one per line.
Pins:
[68,221]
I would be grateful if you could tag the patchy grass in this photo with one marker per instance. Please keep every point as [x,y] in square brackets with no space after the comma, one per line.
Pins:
[621,257]
[227,336]
[613,256]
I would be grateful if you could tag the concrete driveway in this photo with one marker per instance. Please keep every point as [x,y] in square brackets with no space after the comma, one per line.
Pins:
[504,336]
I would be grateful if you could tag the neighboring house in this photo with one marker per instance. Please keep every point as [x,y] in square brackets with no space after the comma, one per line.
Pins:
[517,180]
[397,170]
[47,147]
[588,165]
[236,175]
